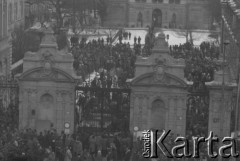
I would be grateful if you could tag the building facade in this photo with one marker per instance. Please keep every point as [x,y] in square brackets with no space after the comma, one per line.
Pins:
[181,14]
[231,33]
[11,16]
[159,95]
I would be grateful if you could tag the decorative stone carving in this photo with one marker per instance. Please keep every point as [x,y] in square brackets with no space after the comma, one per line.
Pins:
[159,73]
[49,37]
[46,73]
[160,42]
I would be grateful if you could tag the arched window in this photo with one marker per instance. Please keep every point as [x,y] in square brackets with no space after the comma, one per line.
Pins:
[157,18]
[10,13]
[158,115]
[140,19]
[173,21]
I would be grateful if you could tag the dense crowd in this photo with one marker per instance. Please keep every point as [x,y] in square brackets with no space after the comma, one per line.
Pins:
[98,55]
[187,51]
[28,145]
[200,67]
[114,64]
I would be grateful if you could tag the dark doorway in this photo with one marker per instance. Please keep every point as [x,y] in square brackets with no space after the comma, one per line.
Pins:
[140,19]
[157,18]
[173,23]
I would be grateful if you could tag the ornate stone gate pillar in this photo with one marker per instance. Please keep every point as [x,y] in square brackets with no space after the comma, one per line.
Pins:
[47,88]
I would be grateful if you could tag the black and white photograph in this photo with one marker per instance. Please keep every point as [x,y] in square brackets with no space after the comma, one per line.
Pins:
[119,80]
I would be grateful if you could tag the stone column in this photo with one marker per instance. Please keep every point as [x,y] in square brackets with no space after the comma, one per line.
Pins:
[167,106]
[184,114]
[149,103]
[21,97]
[215,114]
[227,116]
[33,102]
[136,110]
[144,114]
[132,104]
[59,112]
[140,113]
[171,113]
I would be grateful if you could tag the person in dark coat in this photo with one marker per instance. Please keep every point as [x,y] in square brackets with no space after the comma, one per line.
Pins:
[120,39]
[139,40]
[135,40]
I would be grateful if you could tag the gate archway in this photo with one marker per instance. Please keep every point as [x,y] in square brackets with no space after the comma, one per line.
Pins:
[157,18]
[102,109]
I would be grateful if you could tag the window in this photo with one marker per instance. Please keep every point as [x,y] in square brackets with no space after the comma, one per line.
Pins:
[22,9]
[177,1]
[5,18]
[140,1]
[15,11]
[10,13]
[157,1]
[1,20]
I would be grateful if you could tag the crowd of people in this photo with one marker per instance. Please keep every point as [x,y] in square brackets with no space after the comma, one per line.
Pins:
[188,50]
[98,55]
[200,68]
[124,35]
[29,145]
[114,64]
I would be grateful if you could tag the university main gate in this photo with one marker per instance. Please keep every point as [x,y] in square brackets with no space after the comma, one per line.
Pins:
[103,109]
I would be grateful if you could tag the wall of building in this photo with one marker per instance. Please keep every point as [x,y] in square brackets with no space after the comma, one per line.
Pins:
[147,8]
[116,13]
[199,14]
[126,12]
[11,16]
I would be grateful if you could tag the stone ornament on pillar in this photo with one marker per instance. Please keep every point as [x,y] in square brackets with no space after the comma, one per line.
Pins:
[159,69]
[160,42]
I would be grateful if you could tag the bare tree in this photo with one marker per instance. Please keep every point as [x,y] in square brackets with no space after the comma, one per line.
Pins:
[74,9]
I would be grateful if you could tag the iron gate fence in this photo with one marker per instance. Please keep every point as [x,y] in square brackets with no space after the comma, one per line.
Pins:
[197,115]
[102,109]
[9,102]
